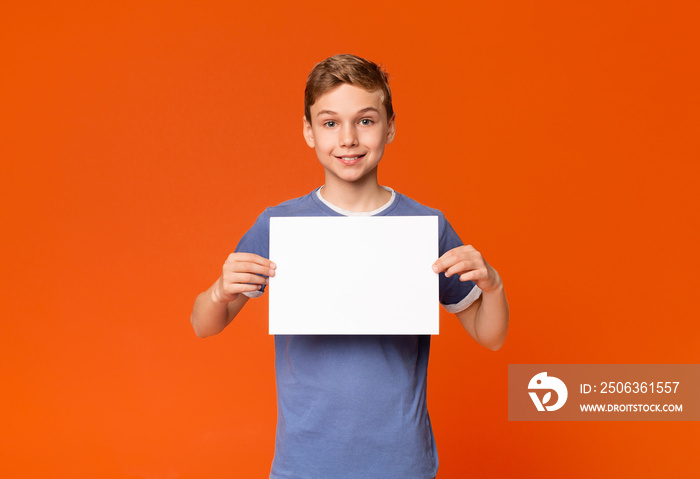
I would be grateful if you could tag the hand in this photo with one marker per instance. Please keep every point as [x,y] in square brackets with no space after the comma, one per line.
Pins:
[468,263]
[242,272]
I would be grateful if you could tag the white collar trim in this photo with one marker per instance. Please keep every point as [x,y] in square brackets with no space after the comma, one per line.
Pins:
[345,212]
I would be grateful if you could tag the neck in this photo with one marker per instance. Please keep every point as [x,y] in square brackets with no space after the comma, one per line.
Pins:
[360,196]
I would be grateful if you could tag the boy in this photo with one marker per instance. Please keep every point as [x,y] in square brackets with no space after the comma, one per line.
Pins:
[354,406]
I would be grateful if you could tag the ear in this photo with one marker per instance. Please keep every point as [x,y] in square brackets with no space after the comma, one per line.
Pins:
[391,129]
[308,133]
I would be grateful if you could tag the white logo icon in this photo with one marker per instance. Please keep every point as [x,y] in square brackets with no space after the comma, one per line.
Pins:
[542,381]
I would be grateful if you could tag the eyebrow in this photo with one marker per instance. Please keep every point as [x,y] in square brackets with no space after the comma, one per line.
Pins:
[331,112]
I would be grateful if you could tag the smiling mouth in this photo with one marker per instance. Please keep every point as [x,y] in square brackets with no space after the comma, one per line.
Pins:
[350,160]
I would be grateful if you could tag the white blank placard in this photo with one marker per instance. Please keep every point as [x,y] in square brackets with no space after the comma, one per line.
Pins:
[354,275]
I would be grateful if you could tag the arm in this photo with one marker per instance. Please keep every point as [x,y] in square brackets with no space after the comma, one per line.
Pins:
[486,319]
[215,308]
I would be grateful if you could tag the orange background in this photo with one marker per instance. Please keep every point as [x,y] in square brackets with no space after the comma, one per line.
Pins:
[139,141]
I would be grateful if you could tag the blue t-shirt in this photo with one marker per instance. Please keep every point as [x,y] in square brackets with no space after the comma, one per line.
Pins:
[355,406]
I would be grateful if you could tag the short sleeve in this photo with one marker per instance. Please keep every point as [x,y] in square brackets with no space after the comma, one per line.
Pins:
[257,241]
[455,295]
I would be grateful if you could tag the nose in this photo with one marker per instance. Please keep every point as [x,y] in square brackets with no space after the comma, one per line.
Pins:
[348,135]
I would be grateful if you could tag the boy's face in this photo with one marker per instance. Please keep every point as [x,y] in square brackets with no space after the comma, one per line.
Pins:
[348,129]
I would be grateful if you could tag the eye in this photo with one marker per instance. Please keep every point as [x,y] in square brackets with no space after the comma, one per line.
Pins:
[366,122]
[329,124]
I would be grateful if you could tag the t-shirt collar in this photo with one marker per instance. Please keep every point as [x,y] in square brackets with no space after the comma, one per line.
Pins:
[345,212]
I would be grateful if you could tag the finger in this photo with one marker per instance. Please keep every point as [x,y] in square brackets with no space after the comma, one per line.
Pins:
[251,258]
[235,289]
[463,267]
[454,256]
[246,288]
[473,275]
[238,267]
[445,261]
[243,278]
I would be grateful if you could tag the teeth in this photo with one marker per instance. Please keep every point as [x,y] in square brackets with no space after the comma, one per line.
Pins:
[350,157]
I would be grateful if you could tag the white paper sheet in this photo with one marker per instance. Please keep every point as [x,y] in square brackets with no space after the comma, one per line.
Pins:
[354,275]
